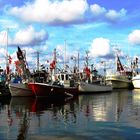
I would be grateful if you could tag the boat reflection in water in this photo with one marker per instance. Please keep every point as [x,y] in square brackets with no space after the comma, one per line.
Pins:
[135,110]
[109,107]
[113,115]
[26,113]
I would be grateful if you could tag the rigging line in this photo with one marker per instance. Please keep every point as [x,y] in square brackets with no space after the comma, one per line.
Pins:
[4,42]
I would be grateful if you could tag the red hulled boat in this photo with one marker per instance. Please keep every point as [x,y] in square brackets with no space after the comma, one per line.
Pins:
[52,90]
[62,85]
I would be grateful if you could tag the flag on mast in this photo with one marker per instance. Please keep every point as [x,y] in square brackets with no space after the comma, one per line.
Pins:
[20,54]
[119,65]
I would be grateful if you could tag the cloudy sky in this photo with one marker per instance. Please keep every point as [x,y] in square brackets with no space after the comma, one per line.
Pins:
[97,26]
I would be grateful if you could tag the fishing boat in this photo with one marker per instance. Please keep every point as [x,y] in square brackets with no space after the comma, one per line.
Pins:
[61,85]
[136,74]
[91,82]
[119,81]
[121,78]
[92,87]
[53,90]
[4,73]
[2,78]
[19,86]
[56,88]
[20,89]
[136,81]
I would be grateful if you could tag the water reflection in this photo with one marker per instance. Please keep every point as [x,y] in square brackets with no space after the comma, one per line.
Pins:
[115,106]
[134,115]
[86,117]
[30,112]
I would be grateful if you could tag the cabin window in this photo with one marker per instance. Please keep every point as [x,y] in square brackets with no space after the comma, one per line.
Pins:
[59,77]
[67,77]
[62,76]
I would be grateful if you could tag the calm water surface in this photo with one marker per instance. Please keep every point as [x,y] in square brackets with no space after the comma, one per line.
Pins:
[112,116]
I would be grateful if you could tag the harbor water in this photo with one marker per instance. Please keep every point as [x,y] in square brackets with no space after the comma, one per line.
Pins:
[100,116]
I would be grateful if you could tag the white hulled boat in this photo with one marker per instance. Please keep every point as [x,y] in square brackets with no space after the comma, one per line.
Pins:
[121,78]
[91,82]
[118,80]
[136,74]
[136,81]
[20,88]
[93,87]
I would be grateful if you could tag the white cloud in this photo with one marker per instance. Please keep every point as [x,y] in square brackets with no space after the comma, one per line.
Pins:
[7,23]
[114,15]
[64,11]
[87,26]
[3,52]
[97,10]
[28,36]
[48,11]
[134,37]
[111,15]
[100,47]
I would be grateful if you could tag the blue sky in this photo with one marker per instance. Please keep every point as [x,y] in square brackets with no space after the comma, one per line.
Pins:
[96,26]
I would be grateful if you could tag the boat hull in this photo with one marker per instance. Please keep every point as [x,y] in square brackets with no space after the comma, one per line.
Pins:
[86,87]
[120,84]
[136,81]
[20,89]
[47,90]
[119,81]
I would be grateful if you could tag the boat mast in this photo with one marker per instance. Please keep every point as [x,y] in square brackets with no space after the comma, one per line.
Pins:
[87,58]
[65,58]
[78,61]
[37,61]
[55,60]
[7,63]
[53,66]
[116,50]
[116,55]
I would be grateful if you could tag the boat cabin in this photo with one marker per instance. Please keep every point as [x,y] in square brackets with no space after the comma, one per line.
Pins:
[65,78]
[40,76]
[2,77]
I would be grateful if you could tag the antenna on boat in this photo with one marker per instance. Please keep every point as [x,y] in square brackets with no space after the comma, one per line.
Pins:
[37,54]
[37,60]
[7,63]
[6,50]
[78,60]
[65,58]
[55,54]
[87,58]
[54,60]
[117,51]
